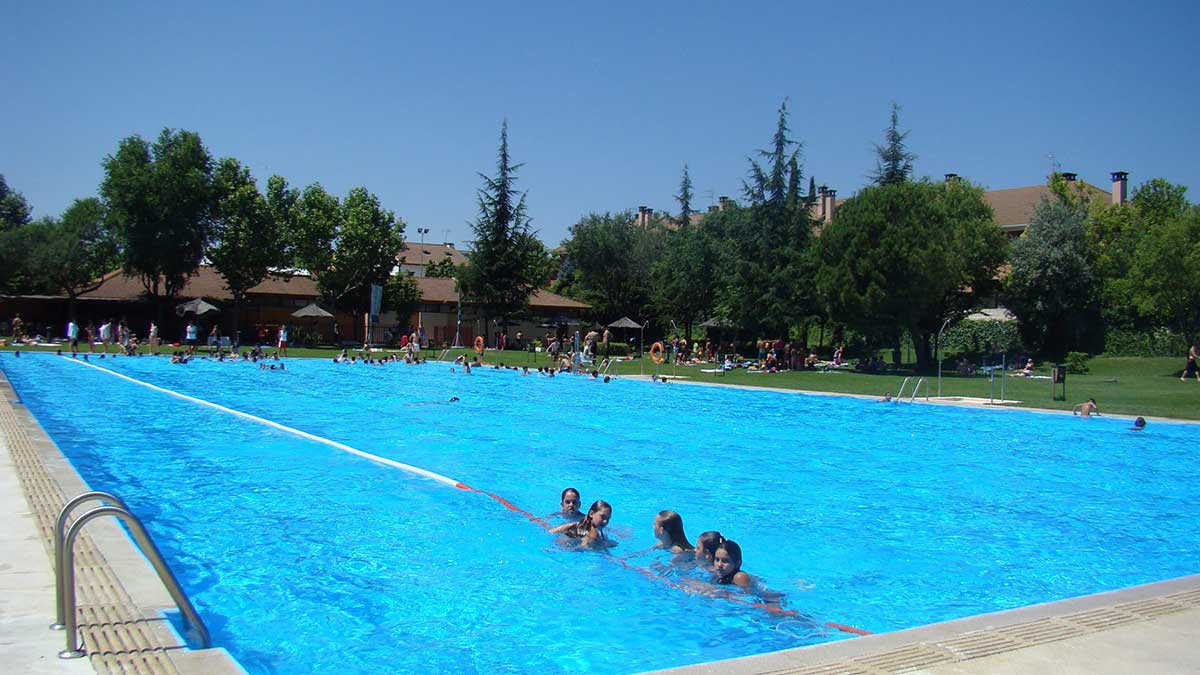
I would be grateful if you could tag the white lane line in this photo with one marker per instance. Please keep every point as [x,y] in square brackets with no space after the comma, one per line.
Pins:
[282,427]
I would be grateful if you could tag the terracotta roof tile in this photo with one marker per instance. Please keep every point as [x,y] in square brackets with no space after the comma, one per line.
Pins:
[205,283]
[437,289]
[414,252]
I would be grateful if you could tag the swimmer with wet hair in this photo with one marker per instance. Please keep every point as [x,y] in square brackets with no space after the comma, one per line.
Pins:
[727,565]
[590,530]
[668,529]
[1139,424]
[706,547]
[570,502]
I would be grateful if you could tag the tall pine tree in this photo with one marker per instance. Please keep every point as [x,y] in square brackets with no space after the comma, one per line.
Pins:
[894,163]
[508,260]
[685,198]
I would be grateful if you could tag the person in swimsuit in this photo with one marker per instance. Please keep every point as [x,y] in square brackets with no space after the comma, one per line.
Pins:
[668,528]
[1190,369]
[590,530]
[727,565]
[706,546]
[1087,408]
[1139,424]
[570,502]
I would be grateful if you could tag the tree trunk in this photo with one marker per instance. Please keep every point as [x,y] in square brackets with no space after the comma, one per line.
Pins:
[921,349]
[236,338]
[896,357]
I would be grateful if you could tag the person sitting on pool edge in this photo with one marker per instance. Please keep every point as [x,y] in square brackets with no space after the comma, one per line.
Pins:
[668,528]
[1087,408]
[727,565]
[590,530]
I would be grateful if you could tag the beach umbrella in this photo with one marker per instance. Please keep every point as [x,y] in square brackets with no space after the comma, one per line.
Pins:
[197,307]
[624,322]
[717,323]
[313,310]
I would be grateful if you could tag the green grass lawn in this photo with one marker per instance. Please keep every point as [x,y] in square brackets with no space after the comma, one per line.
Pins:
[1123,386]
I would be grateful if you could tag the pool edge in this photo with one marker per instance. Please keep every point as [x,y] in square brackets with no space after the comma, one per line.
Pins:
[120,597]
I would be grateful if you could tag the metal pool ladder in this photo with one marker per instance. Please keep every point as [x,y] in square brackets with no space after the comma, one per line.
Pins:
[917,389]
[64,569]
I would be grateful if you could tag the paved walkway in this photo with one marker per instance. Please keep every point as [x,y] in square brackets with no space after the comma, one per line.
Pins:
[27,645]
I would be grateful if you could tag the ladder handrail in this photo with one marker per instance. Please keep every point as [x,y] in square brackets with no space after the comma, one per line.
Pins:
[60,534]
[142,539]
[917,388]
[900,393]
[442,356]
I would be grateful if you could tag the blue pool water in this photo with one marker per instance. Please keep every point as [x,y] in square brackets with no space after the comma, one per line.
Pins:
[306,559]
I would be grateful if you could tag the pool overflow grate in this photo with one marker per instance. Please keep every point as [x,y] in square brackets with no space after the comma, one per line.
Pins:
[117,637]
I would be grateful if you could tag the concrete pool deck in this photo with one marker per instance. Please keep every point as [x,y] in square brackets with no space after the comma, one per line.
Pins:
[1153,628]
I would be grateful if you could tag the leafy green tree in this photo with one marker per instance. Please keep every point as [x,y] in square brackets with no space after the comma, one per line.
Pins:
[1050,287]
[401,295]
[283,203]
[908,256]
[894,163]
[440,269]
[72,255]
[505,267]
[1165,272]
[610,258]
[364,252]
[159,199]
[768,285]
[1113,233]
[685,277]
[246,242]
[14,210]
[312,232]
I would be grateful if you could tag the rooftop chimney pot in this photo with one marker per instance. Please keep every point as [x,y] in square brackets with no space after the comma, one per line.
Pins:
[1120,183]
[1069,177]
[951,177]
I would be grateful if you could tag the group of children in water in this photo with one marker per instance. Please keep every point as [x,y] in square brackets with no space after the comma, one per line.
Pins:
[712,552]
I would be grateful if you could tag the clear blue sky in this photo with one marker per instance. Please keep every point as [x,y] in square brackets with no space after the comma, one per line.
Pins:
[605,104]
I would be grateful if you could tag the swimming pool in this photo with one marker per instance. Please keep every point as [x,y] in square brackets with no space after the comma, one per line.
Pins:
[303,558]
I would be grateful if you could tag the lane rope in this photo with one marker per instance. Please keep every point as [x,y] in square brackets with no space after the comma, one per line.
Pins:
[424,473]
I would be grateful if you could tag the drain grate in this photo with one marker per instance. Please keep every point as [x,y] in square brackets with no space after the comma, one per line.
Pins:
[975,645]
[1190,598]
[831,669]
[1041,632]
[1099,619]
[1151,607]
[905,658]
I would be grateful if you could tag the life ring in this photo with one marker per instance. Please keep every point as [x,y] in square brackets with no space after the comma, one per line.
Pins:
[479,344]
[656,352]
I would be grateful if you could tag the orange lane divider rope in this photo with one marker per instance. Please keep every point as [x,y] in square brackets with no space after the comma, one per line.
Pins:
[441,479]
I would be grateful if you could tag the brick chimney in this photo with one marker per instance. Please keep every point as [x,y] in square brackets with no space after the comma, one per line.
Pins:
[951,177]
[821,203]
[723,203]
[831,195]
[643,216]
[1120,183]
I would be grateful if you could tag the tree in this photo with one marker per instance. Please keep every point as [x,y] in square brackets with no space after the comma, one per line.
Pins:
[1050,287]
[1164,274]
[159,199]
[685,276]
[14,210]
[312,232]
[73,254]
[401,295]
[685,199]
[505,268]
[894,163]
[768,286]
[440,269]
[610,258]
[365,247]
[246,242]
[284,205]
[907,256]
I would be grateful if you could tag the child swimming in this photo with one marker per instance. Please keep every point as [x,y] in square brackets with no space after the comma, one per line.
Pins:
[668,528]
[706,547]
[727,564]
[590,530]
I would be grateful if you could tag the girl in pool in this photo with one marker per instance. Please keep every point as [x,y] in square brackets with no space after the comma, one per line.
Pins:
[590,530]
[668,528]
[570,502]
[727,564]
[706,547]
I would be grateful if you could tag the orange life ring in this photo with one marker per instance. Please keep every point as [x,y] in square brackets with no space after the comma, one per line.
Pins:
[656,352]
[479,344]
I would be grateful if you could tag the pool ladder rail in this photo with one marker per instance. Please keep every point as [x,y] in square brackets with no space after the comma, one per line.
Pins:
[64,569]
[915,390]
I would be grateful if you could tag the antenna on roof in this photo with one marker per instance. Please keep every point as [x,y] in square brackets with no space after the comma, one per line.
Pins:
[1054,165]
[711,196]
